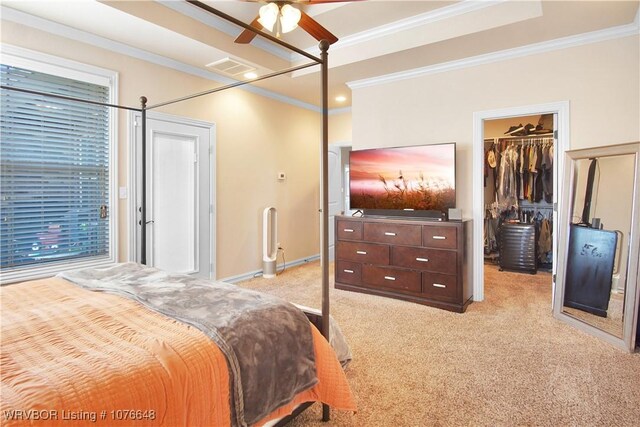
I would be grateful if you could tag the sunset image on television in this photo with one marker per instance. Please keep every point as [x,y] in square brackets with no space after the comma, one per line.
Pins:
[420,178]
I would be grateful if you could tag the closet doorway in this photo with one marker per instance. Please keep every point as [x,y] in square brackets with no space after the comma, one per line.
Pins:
[518,156]
[519,186]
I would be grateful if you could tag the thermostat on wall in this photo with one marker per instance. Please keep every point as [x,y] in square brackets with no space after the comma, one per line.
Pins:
[281,176]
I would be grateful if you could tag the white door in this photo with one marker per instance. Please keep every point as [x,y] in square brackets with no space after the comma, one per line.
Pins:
[180,202]
[335,194]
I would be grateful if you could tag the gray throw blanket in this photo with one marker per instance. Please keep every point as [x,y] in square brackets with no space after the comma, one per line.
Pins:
[267,341]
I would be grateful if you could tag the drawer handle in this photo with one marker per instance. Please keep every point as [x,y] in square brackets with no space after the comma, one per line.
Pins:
[348,271]
[388,233]
[422,259]
[348,230]
[389,277]
[439,237]
[361,252]
[438,285]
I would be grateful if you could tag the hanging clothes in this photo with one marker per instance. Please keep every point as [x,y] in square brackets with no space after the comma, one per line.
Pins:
[547,172]
[545,242]
[507,187]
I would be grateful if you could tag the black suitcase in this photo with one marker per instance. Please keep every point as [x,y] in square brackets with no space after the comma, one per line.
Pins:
[518,247]
[590,269]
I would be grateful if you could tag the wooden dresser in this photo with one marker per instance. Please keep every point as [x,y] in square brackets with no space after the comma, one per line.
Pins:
[415,260]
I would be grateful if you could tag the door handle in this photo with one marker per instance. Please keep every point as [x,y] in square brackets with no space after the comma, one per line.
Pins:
[438,285]
[348,271]
[348,230]
[387,233]
[361,252]
[422,259]
[389,277]
[439,238]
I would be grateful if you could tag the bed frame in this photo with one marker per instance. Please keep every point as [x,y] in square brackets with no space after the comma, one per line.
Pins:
[323,322]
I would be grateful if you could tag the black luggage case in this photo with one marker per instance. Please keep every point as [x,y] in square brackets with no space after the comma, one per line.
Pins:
[590,269]
[518,247]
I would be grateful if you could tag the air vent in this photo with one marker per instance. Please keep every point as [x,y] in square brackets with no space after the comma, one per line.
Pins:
[230,66]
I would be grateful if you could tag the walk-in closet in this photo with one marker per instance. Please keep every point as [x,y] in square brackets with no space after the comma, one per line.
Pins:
[519,187]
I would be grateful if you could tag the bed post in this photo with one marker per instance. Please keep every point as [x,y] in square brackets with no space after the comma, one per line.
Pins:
[143,181]
[324,185]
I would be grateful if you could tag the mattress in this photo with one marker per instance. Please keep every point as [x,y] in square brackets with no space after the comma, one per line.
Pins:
[70,356]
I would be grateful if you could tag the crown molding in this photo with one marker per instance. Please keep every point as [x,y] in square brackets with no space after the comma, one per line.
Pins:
[503,55]
[341,110]
[81,36]
[447,12]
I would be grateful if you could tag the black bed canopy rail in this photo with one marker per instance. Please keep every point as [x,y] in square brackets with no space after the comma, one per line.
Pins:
[324,181]
[232,85]
[69,98]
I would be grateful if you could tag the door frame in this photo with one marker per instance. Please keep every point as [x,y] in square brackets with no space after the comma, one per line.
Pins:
[561,109]
[133,122]
[341,145]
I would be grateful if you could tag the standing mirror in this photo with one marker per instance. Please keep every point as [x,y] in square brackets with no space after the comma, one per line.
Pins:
[597,286]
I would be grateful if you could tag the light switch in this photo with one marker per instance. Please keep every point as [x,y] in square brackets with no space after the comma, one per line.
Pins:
[122,192]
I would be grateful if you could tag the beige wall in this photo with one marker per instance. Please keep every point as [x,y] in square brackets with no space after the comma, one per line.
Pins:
[256,138]
[340,128]
[600,81]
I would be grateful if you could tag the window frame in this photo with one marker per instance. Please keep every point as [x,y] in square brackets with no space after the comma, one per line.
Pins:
[44,63]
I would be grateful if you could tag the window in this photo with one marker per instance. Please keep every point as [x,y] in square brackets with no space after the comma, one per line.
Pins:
[57,176]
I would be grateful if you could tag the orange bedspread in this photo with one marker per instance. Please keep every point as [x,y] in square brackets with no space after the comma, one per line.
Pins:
[75,357]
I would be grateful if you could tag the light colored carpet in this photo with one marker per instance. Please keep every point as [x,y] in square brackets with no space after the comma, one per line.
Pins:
[504,362]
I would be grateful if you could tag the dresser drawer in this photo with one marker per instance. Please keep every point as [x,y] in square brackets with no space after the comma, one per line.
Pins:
[440,286]
[434,260]
[392,278]
[369,253]
[399,234]
[350,230]
[439,237]
[348,272]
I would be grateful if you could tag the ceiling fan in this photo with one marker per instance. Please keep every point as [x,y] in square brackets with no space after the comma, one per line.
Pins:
[282,16]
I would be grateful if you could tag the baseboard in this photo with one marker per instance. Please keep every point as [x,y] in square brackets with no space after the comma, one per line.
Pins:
[258,273]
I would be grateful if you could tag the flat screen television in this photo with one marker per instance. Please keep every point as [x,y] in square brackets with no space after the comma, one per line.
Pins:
[403,180]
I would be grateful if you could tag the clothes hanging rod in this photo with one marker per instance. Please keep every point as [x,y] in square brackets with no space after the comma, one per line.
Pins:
[69,98]
[543,135]
[254,30]
[232,85]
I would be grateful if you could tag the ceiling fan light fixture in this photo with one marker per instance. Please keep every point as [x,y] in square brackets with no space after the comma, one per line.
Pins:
[289,18]
[269,15]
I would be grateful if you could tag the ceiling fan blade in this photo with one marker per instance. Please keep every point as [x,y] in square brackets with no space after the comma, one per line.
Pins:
[316,30]
[246,36]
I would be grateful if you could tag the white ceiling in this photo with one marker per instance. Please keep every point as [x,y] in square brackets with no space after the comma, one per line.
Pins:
[376,37]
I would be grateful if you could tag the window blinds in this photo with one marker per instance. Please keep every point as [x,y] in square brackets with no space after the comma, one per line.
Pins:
[54,159]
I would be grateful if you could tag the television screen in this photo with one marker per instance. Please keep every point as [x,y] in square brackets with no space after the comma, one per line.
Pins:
[410,178]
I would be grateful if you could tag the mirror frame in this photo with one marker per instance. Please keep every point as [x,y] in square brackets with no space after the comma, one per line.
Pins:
[632,286]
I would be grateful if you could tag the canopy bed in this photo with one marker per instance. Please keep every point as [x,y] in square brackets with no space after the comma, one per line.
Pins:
[127,362]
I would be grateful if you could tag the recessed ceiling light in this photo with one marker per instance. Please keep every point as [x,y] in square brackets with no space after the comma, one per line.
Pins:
[250,75]
[341,98]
